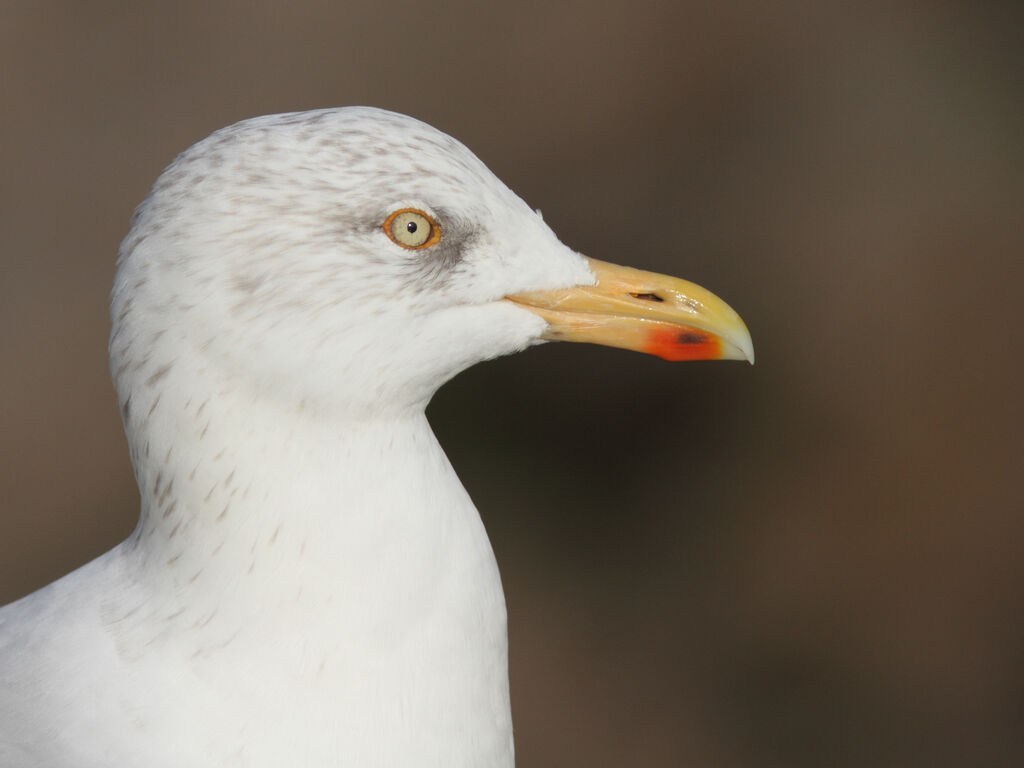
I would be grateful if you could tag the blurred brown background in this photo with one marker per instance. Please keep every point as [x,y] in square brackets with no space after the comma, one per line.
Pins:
[815,561]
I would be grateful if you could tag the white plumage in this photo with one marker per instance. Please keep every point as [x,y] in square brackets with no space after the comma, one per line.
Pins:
[308,584]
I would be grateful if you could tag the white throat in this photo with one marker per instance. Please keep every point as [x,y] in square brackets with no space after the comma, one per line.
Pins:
[343,561]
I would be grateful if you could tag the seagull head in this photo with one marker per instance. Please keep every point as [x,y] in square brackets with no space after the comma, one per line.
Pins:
[353,260]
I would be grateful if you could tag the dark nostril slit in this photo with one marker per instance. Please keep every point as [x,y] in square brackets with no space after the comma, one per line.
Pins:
[647,296]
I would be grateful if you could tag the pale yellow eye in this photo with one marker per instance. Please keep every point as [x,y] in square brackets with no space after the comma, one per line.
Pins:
[412,228]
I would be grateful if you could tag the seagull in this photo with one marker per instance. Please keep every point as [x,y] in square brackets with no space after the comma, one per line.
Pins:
[309,584]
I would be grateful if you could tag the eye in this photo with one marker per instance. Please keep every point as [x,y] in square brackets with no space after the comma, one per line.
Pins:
[412,228]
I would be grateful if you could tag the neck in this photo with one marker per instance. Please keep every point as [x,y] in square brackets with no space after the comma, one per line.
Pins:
[351,543]
[236,492]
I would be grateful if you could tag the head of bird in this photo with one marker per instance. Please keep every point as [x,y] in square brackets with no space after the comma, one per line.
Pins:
[352,260]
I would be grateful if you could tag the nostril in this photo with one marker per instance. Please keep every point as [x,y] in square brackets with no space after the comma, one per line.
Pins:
[647,296]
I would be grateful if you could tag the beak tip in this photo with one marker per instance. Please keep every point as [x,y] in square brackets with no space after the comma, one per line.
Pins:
[733,352]
[742,347]
[748,351]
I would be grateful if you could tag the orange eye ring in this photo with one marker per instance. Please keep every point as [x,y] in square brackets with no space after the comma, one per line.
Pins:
[412,228]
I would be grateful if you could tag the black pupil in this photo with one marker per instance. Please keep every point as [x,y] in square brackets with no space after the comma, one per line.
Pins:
[411,227]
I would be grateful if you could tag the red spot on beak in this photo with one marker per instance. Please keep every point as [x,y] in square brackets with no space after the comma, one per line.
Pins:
[683,343]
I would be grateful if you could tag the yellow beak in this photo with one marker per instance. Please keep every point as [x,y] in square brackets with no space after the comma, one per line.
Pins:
[644,311]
